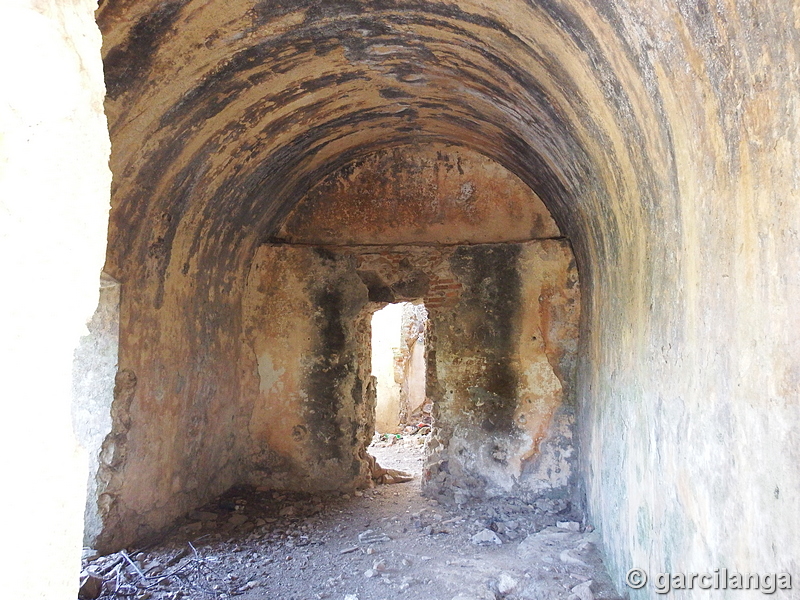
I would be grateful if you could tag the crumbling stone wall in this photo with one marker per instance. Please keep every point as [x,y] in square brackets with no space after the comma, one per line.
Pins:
[411,364]
[503,325]
[503,333]
[177,419]
[505,356]
[183,351]
[664,137]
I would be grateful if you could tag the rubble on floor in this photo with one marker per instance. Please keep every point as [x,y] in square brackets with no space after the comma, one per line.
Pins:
[382,543]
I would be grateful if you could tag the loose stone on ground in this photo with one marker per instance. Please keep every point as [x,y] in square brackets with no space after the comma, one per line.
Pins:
[389,542]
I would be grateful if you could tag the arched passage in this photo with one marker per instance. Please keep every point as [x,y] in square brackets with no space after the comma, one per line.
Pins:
[632,125]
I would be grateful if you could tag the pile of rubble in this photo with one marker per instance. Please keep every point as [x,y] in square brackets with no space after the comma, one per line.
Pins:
[242,518]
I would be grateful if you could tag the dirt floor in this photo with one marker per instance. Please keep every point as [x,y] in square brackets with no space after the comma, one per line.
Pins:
[384,543]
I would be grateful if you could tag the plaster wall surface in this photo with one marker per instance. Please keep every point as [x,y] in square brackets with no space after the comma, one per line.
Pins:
[177,416]
[414,389]
[94,372]
[689,374]
[421,193]
[412,364]
[54,201]
[505,354]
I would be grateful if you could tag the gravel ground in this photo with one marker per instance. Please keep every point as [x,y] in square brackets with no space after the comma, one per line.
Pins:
[384,543]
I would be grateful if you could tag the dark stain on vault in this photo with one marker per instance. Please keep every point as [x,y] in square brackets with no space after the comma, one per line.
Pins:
[393,93]
[128,63]
[257,176]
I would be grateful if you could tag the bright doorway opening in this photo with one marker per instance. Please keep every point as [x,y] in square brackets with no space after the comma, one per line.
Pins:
[398,364]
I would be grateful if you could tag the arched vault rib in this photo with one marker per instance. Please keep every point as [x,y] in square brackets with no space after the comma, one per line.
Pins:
[233,112]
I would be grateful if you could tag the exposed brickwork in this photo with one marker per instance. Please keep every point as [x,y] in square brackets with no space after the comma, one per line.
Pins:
[443,290]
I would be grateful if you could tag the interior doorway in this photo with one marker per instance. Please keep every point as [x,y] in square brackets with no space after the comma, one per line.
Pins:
[398,365]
